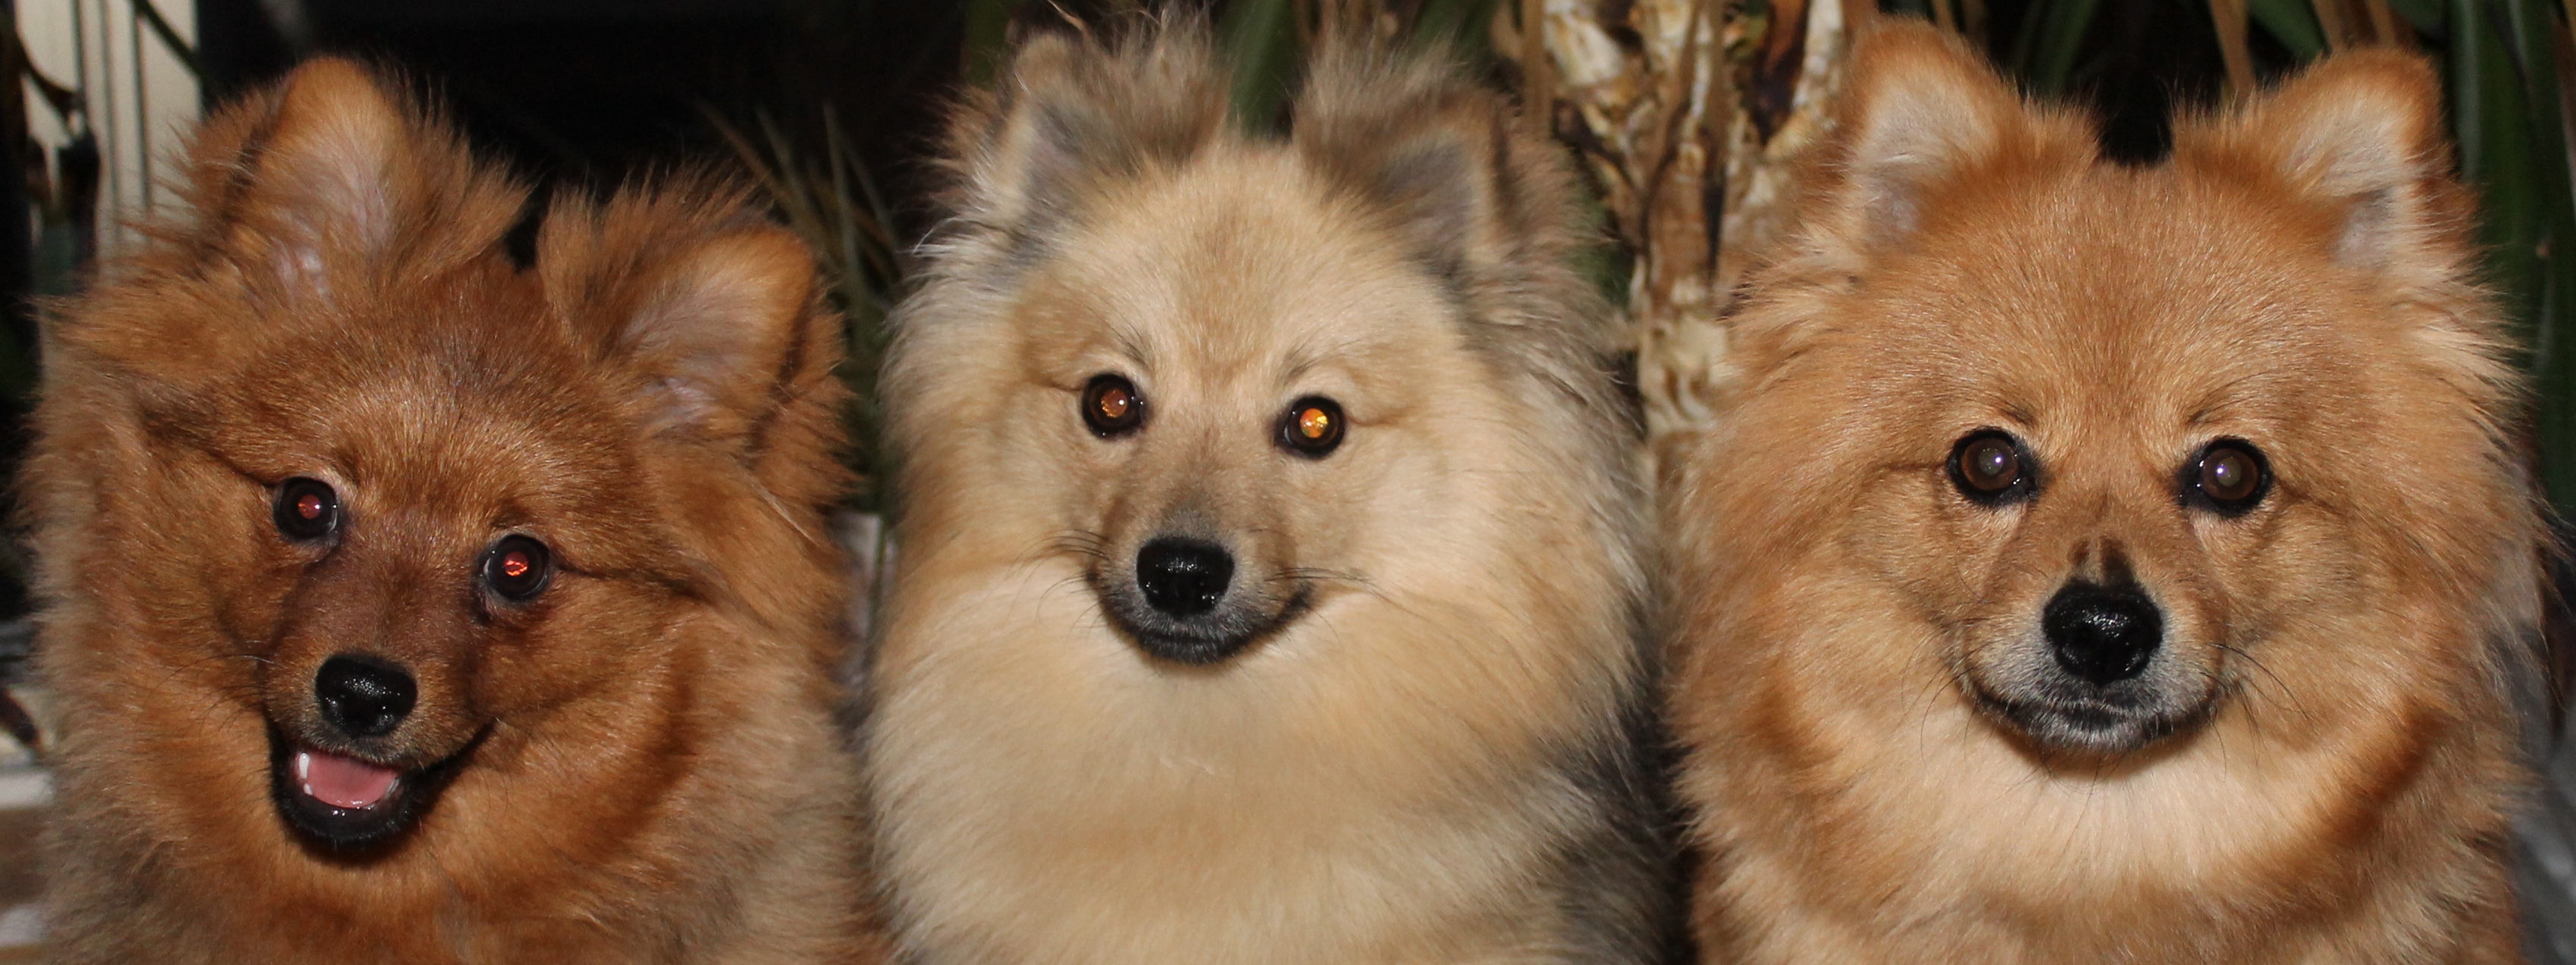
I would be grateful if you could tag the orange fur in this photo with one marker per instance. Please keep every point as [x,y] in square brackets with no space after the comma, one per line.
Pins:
[644,762]
[1853,631]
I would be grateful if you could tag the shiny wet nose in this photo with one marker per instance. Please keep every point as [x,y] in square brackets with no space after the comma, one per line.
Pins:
[1183,577]
[2105,634]
[364,696]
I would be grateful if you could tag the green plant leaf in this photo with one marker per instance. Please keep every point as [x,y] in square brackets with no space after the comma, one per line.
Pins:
[2426,16]
[2543,47]
[2047,45]
[2291,22]
[1260,40]
[988,36]
[1457,26]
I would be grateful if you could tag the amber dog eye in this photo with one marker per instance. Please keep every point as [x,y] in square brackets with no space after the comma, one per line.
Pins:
[517,568]
[1990,467]
[1111,407]
[2229,477]
[1312,427]
[306,510]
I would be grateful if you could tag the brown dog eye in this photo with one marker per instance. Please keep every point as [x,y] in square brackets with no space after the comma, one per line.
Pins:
[517,568]
[1990,467]
[306,510]
[1312,427]
[1110,406]
[2229,476]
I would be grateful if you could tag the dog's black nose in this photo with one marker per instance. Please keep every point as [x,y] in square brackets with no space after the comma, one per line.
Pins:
[2104,634]
[1183,577]
[364,696]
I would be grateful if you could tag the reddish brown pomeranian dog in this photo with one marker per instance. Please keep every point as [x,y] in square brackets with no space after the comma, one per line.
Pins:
[408,607]
[2111,563]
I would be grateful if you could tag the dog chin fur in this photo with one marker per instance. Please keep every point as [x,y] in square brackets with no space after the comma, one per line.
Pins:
[1429,750]
[639,764]
[2319,764]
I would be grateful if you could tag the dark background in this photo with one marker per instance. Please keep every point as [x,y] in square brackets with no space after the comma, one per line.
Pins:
[591,91]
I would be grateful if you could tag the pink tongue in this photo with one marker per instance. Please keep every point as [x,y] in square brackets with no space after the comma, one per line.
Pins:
[342,782]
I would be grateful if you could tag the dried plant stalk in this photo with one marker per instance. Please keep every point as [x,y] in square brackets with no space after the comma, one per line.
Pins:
[2231,19]
[1688,113]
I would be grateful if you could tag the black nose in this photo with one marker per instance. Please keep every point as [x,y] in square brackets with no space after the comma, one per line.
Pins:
[1183,577]
[363,696]
[2104,634]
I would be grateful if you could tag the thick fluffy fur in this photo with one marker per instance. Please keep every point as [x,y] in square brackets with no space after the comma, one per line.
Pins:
[2326,762]
[644,765]
[1429,756]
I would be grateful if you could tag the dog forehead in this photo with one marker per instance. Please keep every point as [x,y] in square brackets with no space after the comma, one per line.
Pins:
[415,403]
[1240,260]
[2124,292]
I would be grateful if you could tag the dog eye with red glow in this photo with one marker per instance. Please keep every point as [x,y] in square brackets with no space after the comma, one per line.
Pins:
[1312,427]
[517,568]
[306,510]
[1989,466]
[1111,406]
[2229,476]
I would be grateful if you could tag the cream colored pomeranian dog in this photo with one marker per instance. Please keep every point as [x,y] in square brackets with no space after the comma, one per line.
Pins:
[1268,572]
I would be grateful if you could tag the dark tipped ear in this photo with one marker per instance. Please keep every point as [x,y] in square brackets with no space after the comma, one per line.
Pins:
[1069,112]
[1919,109]
[2360,134]
[1465,183]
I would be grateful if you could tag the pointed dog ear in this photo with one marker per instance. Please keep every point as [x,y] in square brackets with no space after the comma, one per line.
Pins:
[1919,110]
[715,311]
[1467,186]
[1068,112]
[306,194]
[722,327]
[2353,153]
[2361,136]
[334,170]
[1920,116]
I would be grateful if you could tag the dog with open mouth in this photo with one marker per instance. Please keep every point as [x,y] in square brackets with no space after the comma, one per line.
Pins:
[1267,583]
[2108,563]
[410,605]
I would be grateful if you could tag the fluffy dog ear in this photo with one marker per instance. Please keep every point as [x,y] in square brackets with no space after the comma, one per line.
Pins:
[328,154]
[1069,112]
[332,167]
[1447,158]
[715,312]
[2360,135]
[721,328]
[1920,111]
[306,193]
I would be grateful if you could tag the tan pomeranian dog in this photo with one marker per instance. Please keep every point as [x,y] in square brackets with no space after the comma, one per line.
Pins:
[1267,581]
[2111,563]
[407,607]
